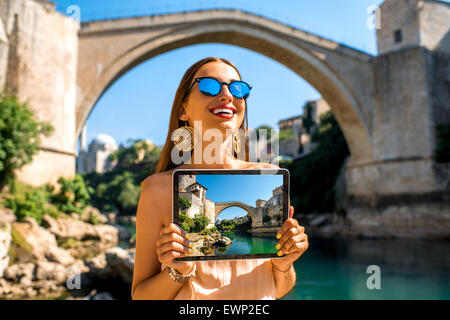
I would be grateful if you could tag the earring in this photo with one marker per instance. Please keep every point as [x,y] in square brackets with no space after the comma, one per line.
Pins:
[184,138]
[236,144]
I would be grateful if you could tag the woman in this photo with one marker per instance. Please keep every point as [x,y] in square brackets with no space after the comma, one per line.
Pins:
[159,241]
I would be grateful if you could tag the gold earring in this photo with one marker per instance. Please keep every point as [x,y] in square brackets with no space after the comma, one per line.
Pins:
[237,144]
[184,138]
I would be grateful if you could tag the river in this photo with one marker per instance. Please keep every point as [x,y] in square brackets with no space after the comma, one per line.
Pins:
[337,268]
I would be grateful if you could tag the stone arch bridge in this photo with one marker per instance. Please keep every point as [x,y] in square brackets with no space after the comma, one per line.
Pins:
[387,105]
[255,213]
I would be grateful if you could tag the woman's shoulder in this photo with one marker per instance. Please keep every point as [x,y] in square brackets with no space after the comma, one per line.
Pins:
[157,183]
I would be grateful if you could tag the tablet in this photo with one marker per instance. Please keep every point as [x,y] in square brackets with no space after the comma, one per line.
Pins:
[230,214]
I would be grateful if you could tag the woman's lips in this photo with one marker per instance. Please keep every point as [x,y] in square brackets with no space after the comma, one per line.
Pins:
[223,114]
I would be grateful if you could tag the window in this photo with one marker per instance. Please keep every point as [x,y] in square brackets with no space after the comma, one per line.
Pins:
[398,36]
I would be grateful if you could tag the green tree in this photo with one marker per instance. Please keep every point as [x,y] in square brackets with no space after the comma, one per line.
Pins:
[138,150]
[285,134]
[20,136]
[73,195]
[120,193]
[313,177]
[185,222]
[307,119]
[268,131]
[200,223]
[184,204]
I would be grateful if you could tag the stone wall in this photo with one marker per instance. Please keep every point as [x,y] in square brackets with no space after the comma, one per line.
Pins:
[41,71]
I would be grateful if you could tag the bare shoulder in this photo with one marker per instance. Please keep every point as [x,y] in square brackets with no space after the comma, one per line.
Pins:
[157,183]
[156,197]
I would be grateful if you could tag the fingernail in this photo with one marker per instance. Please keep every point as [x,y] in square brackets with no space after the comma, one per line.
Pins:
[280,253]
[278,246]
[278,236]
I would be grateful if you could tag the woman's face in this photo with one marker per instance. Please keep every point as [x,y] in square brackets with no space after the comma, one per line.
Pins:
[198,106]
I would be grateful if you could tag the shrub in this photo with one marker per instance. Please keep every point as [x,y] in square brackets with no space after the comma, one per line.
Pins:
[186,223]
[184,203]
[200,222]
[73,195]
[31,203]
[267,218]
[19,137]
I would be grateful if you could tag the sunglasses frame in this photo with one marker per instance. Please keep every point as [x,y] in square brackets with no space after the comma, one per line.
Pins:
[222,83]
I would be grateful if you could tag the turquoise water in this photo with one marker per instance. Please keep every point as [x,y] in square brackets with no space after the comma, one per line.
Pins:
[337,268]
[243,244]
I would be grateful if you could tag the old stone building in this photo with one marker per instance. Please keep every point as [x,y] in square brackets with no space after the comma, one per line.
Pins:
[96,157]
[302,127]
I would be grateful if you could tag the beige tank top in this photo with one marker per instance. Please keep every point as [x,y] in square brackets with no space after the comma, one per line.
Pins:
[249,279]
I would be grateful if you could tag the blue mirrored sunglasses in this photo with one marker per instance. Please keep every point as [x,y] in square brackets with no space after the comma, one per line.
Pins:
[212,87]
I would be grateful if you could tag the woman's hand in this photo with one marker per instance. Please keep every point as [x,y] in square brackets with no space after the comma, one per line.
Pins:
[172,244]
[293,242]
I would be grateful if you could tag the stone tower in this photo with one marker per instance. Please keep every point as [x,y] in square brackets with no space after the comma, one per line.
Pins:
[413,23]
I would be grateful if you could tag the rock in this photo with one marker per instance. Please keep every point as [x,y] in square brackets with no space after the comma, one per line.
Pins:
[91,211]
[65,228]
[121,263]
[46,270]
[223,242]
[20,273]
[319,220]
[124,234]
[107,234]
[115,263]
[102,296]
[39,242]
[7,216]
[5,242]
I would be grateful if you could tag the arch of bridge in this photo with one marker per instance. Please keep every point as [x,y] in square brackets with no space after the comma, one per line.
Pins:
[110,48]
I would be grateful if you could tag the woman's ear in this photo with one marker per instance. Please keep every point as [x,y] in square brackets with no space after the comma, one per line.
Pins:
[182,114]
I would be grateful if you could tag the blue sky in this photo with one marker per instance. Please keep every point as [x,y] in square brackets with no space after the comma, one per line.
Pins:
[138,104]
[244,188]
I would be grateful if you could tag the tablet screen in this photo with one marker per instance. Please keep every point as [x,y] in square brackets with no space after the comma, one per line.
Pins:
[231,214]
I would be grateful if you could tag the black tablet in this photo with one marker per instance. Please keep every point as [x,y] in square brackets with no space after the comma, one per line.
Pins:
[230,214]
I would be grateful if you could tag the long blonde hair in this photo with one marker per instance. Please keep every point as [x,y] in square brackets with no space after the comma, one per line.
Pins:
[165,162]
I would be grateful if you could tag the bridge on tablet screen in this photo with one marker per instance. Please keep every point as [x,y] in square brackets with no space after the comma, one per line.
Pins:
[264,213]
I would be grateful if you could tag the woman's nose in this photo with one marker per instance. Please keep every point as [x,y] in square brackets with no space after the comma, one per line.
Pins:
[225,93]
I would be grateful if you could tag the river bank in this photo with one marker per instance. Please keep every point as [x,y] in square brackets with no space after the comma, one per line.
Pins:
[65,257]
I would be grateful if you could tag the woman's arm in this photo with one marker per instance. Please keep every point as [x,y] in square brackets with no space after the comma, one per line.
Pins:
[293,242]
[149,282]
[284,279]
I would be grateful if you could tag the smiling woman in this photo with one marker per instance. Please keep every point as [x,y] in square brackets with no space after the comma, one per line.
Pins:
[159,241]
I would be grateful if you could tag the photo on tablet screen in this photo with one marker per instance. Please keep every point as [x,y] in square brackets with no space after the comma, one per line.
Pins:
[230,215]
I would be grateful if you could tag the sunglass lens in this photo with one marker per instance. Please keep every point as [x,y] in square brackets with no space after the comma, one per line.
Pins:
[209,86]
[239,89]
